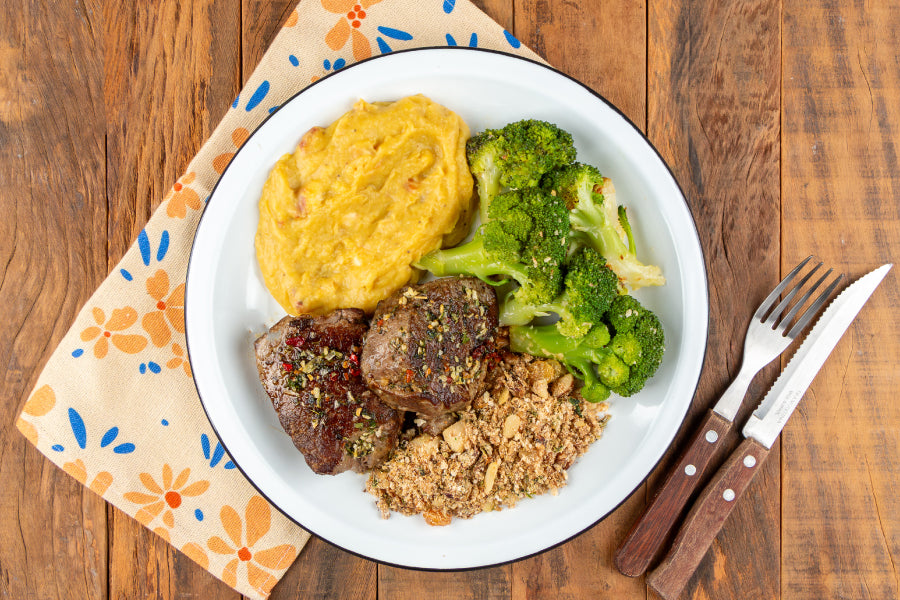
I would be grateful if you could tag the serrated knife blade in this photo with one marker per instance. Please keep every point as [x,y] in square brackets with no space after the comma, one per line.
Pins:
[769,418]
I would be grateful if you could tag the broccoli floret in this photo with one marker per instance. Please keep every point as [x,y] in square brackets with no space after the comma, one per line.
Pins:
[597,222]
[612,370]
[525,240]
[624,312]
[627,348]
[638,340]
[579,355]
[589,288]
[515,157]
[597,337]
[606,359]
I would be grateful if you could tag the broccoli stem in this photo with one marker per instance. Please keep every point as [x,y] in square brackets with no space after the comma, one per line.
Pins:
[540,341]
[488,187]
[623,221]
[591,225]
[471,259]
[514,311]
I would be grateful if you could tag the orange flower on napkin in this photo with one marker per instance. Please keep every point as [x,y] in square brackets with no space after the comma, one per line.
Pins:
[103,332]
[347,27]
[167,496]
[98,484]
[41,402]
[179,359]
[182,197]
[257,517]
[168,310]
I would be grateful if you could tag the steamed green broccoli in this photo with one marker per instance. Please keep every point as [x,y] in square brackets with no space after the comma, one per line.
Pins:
[589,287]
[515,157]
[525,239]
[638,340]
[624,313]
[597,222]
[617,355]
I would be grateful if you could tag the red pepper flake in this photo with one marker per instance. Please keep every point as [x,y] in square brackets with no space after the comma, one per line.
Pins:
[354,359]
[409,375]
[287,366]
[295,341]
[354,372]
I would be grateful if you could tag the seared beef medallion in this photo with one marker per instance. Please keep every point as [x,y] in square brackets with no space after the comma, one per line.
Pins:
[428,346]
[310,368]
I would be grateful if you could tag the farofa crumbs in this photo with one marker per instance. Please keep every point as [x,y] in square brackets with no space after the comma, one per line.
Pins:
[516,440]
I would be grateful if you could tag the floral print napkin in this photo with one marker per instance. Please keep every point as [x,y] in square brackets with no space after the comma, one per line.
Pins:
[116,406]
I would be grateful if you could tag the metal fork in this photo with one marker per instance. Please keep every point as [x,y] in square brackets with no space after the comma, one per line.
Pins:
[770,332]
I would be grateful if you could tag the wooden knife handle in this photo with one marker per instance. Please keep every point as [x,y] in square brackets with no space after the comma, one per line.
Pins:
[706,518]
[650,532]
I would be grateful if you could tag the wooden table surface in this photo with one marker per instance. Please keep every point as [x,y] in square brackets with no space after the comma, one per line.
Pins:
[779,118]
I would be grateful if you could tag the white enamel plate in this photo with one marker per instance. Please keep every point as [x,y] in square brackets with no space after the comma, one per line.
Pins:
[228,306]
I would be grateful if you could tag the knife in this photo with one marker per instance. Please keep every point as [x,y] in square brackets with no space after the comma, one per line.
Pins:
[717,500]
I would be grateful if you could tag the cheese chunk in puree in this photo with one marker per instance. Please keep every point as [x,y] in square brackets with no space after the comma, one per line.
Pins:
[343,218]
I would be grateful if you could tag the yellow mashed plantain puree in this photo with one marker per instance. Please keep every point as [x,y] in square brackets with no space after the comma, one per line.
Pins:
[342,218]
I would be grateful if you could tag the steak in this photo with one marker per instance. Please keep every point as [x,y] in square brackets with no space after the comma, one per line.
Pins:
[309,367]
[429,345]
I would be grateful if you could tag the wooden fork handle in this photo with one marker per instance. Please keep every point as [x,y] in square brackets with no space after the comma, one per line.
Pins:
[706,518]
[650,532]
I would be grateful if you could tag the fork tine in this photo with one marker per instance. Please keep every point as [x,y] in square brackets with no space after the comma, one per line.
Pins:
[771,298]
[776,312]
[782,327]
[812,310]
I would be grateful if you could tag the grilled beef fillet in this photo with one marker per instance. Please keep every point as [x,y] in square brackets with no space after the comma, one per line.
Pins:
[309,367]
[428,345]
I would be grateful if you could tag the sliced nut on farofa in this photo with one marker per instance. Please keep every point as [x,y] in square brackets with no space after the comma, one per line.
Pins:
[515,441]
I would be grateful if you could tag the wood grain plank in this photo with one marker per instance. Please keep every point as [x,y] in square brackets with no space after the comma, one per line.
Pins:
[841,511]
[52,253]
[603,45]
[172,69]
[144,565]
[481,584]
[324,571]
[713,113]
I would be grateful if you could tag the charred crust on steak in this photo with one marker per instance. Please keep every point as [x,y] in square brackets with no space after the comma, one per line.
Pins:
[430,346]
[309,367]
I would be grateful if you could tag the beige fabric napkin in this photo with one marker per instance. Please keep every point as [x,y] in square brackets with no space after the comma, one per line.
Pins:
[116,406]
